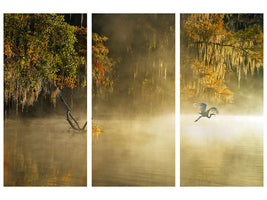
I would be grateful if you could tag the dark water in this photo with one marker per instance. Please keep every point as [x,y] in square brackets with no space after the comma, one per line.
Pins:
[44,152]
[223,151]
[137,152]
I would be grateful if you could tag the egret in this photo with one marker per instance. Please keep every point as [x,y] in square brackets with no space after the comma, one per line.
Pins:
[205,113]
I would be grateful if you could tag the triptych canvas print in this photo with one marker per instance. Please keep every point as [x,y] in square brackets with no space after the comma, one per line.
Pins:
[135,84]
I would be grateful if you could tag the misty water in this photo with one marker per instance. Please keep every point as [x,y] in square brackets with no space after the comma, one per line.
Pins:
[134,152]
[44,152]
[221,151]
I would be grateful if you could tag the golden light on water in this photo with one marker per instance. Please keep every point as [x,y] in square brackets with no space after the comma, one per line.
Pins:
[223,127]
[96,131]
[135,152]
[222,151]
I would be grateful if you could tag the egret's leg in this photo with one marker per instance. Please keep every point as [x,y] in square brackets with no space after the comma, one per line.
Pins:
[198,118]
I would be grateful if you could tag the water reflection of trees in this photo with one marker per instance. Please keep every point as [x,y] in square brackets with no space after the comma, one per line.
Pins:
[29,163]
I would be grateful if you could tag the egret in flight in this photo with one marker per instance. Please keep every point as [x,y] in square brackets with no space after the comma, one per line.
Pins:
[205,113]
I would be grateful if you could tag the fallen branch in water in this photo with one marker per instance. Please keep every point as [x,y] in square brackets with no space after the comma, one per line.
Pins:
[72,121]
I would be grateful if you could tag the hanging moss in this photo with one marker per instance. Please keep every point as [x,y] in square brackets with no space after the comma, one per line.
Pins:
[222,47]
[39,55]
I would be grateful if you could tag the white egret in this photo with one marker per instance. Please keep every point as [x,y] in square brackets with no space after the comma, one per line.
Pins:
[205,113]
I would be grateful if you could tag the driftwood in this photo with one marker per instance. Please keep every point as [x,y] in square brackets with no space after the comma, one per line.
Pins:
[72,121]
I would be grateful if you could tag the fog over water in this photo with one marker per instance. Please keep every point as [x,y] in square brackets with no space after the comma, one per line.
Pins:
[44,152]
[134,143]
[135,152]
[225,150]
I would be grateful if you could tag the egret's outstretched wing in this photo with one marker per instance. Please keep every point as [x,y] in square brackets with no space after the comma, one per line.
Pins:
[213,110]
[202,106]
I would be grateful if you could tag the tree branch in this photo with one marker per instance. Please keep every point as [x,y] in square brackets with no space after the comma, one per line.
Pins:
[224,45]
[72,121]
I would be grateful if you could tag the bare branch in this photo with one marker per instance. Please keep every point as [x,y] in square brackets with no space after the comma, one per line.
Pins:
[72,121]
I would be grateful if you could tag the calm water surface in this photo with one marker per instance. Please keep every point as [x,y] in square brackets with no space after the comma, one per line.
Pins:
[221,151]
[44,152]
[138,152]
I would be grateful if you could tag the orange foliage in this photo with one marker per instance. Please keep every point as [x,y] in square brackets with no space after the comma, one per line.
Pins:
[65,80]
[205,27]
[101,63]
[208,83]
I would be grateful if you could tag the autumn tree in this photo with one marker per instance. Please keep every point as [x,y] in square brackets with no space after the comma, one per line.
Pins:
[218,48]
[39,56]
[101,65]
[80,47]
